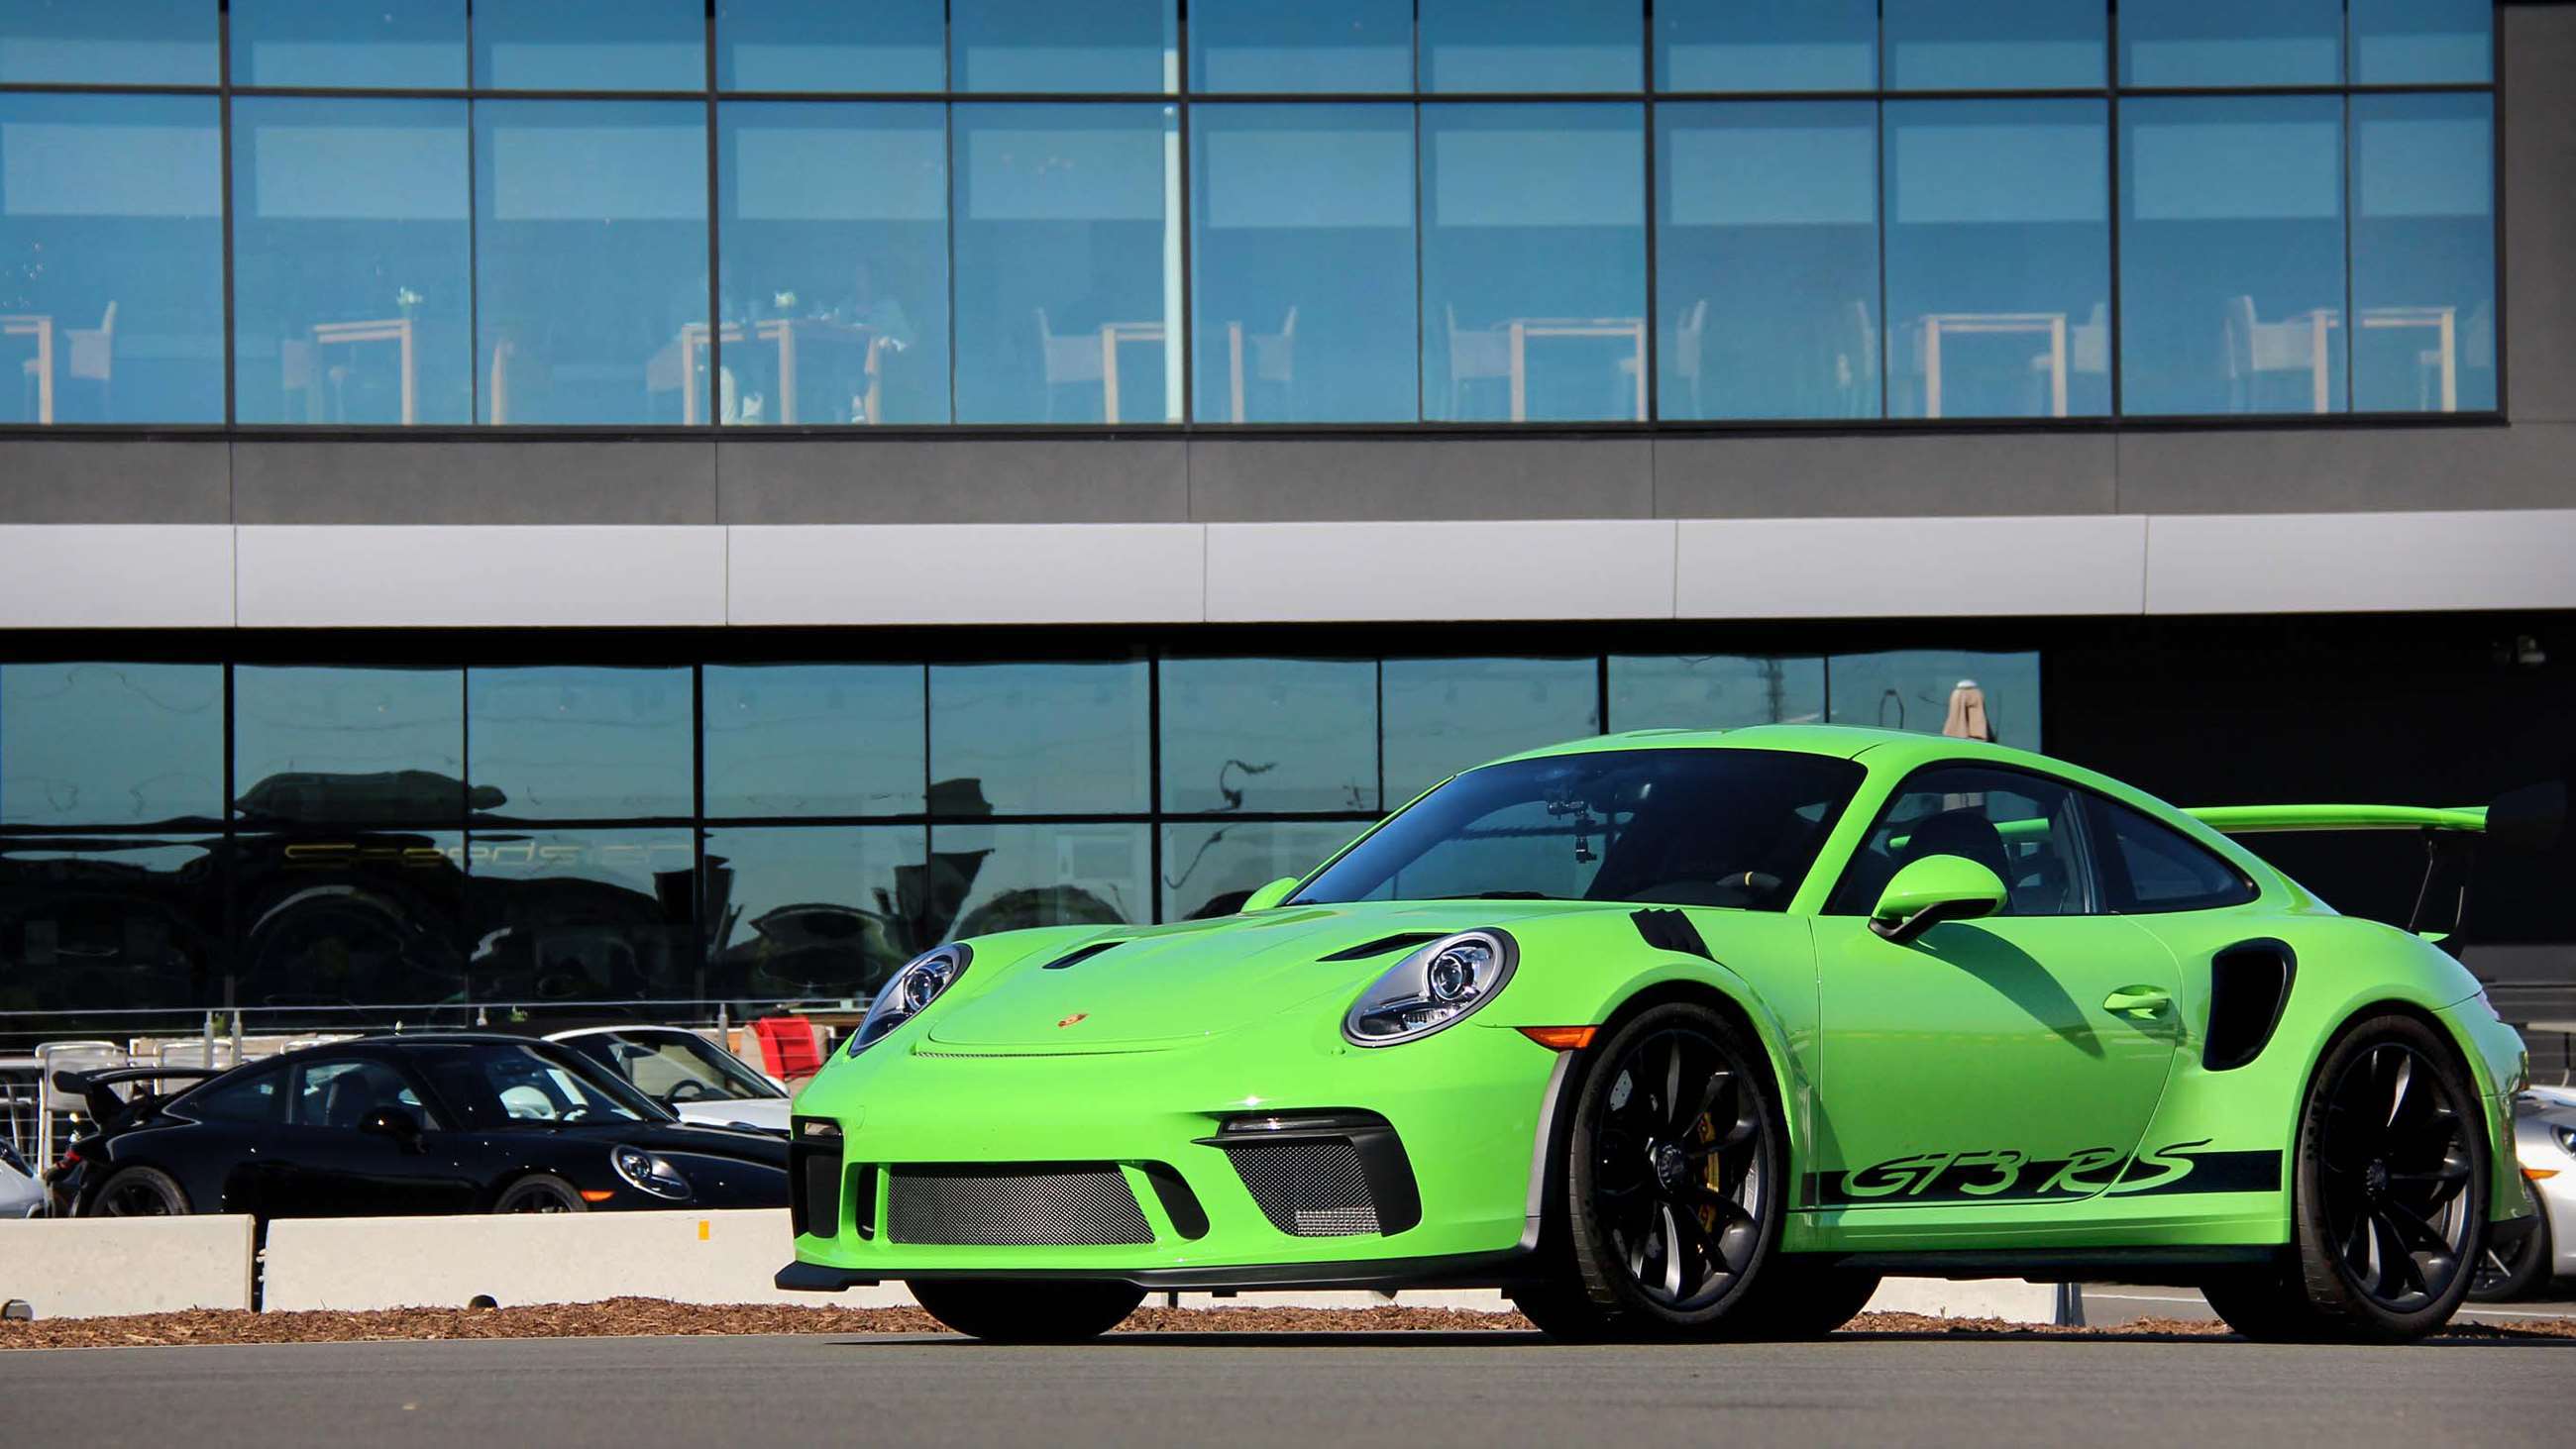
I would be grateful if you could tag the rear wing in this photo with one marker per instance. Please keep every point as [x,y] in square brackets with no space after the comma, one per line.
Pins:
[98,1089]
[2530,819]
[2275,819]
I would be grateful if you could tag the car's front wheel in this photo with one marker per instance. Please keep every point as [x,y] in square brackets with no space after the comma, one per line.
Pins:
[1675,1181]
[1007,1311]
[2388,1197]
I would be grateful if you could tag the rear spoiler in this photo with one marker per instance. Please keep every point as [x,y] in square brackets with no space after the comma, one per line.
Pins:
[97,1088]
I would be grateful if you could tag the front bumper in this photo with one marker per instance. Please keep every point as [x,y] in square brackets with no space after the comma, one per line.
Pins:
[1465,1108]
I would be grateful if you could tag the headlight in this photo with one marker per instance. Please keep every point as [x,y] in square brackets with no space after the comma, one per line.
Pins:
[649,1173]
[2566,1138]
[1431,988]
[908,991]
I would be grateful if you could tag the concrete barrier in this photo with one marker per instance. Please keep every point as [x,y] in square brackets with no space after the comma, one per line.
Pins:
[686,1257]
[2009,1299]
[99,1267]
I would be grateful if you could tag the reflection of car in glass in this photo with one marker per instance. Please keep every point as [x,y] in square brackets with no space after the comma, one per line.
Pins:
[694,1078]
[21,1196]
[436,1123]
[2544,1134]
[1682,1034]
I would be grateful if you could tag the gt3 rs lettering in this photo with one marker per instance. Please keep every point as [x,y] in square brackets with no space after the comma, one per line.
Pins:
[2006,1175]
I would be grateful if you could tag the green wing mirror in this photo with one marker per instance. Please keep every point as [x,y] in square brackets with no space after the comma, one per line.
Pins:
[1270,895]
[1934,889]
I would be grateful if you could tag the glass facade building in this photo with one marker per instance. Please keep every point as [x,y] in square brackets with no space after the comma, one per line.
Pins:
[737,213]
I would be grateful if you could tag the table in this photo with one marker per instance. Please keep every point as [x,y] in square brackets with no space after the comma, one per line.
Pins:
[2446,348]
[787,334]
[42,329]
[1522,329]
[388,329]
[1112,334]
[2050,324]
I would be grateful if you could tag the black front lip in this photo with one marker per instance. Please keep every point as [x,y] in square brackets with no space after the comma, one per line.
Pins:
[1460,1270]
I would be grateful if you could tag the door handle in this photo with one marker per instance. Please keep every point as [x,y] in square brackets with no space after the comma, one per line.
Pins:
[2141,1003]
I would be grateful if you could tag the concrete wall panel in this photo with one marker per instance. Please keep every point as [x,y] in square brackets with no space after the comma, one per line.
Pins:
[1594,569]
[427,481]
[104,1267]
[1304,480]
[2321,470]
[1827,568]
[968,574]
[425,575]
[885,480]
[113,480]
[1898,475]
[116,576]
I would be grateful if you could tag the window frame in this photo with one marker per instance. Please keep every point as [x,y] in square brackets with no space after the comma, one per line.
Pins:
[2088,858]
[2119,887]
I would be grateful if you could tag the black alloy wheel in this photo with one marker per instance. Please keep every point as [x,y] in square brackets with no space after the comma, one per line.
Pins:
[540,1193]
[141,1192]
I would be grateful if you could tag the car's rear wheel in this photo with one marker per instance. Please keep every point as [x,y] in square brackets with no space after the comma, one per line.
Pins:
[2388,1197]
[541,1192]
[2515,1269]
[1007,1311]
[141,1192]
[1676,1177]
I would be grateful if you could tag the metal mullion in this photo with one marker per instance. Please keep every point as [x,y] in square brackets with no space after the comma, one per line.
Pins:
[226,212]
[1648,381]
[106,88]
[2495,188]
[1185,326]
[2351,223]
[715,256]
[2114,323]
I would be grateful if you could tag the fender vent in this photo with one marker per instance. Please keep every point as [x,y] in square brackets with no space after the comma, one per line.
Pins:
[2249,984]
[1401,941]
[1082,954]
[1670,930]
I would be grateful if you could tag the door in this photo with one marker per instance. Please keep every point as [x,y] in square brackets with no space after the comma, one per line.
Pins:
[327,1167]
[2014,1058]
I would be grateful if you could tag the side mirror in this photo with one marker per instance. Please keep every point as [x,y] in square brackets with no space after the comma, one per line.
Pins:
[1270,895]
[395,1123]
[1934,889]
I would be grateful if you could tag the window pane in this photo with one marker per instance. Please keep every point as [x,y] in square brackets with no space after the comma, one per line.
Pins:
[811,912]
[1998,259]
[1994,44]
[1766,45]
[331,745]
[1444,715]
[814,739]
[796,45]
[1713,691]
[388,43]
[582,915]
[2423,253]
[111,744]
[133,43]
[1304,254]
[2148,867]
[1967,812]
[2243,43]
[351,299]
[108,924]
[111,291]
[835,295]
[1969,696]
[1028,739]
[1767,261]
[1046,45]
[569,743]
[1534,265]
[1209,868]
[1068,263]
[1318,45]
[2232,255]
[376,919]
[1005,877]
[1532,45]
[2404,42]
[590,45]
[1269,734]
[591,224]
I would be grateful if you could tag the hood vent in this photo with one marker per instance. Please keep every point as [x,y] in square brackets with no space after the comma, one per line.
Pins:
[1401,941]
[1082,954]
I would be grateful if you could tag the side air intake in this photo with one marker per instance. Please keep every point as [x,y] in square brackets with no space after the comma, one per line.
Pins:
[2249,985]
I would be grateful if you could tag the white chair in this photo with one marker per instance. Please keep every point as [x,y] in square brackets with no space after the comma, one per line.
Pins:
[74,1056]
[2255,347]
[1479,354]
[1856,366]
[2088,347]
[1073,358]
[196,1053]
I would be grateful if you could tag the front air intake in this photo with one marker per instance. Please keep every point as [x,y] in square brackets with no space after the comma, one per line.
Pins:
[1047,1205]
[1323,1174]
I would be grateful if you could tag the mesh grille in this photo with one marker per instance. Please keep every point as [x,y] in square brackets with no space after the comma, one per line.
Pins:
[1310,1189]
[1064,1204]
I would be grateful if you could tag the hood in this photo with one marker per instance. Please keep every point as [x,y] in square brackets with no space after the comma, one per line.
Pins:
[1132,989]
[758,1114]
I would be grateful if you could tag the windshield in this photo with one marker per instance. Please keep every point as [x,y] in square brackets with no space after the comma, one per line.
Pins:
[672,1066]
[512,1084]
[1684,827]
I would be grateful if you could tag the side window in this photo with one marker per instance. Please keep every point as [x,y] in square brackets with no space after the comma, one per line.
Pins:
[250,1099]
[2148,867]
[2027,829]
[341,1092]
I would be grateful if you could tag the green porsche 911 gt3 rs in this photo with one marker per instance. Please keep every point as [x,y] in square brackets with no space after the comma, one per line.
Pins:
[1677,1034]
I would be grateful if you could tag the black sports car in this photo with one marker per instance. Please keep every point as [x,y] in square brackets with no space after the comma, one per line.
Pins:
[410,1125]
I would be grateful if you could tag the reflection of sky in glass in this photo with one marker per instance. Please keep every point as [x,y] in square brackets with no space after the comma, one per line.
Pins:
[1044,875]
[110,744]
[1766,45]
[385,43]
[1205,865]
[796,45]
[1315,45]
[2423,253]
[346,721]
[1910,689]
[2241,43]
[1269,734]
[1993,44]
[1713,691]
[1042,738]
[592,45]
[2401,42]
[1531,45]
[574,743]
[795,894]
[1444,715]
[814,739]
[131,42]
[350,261]
[1303,228]
[1047,45]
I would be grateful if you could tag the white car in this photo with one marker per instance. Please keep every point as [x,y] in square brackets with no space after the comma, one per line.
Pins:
[21,1195]
[2544,1136]
[700,1082]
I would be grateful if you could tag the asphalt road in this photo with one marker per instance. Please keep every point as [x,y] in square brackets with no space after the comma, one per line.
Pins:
[1324,1391]
[2107,1305]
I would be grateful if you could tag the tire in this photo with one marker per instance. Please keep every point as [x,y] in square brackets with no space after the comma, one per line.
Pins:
[140,1192]
[2517,1270]
[1674,1189]
[1794,1300]
[540,1192]
[1022,1311]
[2388,1212]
